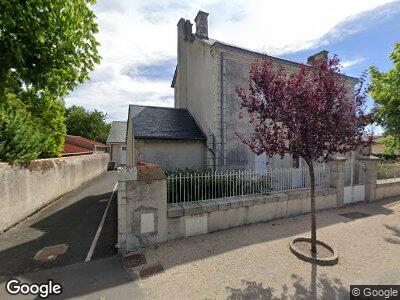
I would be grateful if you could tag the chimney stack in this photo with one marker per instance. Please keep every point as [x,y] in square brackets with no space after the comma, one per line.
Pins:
[201,24]
[188,30]
[320,56]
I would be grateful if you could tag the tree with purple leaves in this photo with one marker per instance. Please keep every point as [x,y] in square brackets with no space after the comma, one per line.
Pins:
[312,113]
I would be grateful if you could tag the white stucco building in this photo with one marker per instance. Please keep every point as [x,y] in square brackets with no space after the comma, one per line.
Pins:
[205,80]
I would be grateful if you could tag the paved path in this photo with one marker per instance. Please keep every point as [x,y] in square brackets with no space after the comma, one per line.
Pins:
[72,220]
[249,262]
[254,262]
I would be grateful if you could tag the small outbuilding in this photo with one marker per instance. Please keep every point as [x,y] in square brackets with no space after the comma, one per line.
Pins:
[116,142]
[169,137]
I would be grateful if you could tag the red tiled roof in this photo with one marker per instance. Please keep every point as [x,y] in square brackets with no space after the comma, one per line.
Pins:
[85,140]
[70,149]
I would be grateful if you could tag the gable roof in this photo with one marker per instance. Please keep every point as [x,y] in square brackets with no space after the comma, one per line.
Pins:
[230,47]
[117,132]
[164,123]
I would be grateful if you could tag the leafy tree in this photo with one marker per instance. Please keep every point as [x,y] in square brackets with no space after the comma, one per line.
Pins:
[90,124]
[47,48]
[308,113]
[385,89]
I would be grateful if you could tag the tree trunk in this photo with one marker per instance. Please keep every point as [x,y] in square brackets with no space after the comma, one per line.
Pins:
[313,217]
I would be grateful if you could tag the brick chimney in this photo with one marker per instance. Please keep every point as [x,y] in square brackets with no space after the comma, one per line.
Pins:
[201,24]
[322,55]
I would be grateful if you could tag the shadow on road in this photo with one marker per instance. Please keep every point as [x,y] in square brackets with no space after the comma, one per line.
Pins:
[74,225]
[320,288]
[203,246]
[396,234]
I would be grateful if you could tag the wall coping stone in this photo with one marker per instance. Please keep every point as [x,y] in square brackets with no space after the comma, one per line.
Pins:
[195,208]
[191,208]
[338,158]
[209,205]
[386,182]
[148,171]
[174,210]
[369,158]
[127,173]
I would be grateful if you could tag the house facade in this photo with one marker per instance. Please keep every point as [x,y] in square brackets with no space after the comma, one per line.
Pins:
[207,74]
[205,80]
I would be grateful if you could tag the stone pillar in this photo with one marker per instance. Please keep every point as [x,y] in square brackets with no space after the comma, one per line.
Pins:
[142,209]
[371,177]
[125,174]
[337,178]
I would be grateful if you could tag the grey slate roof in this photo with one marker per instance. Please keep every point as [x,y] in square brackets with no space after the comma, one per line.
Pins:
[222,45]
[164,123]
[117,132]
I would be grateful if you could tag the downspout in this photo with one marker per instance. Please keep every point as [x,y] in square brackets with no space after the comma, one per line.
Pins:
[222,109]
[212,150]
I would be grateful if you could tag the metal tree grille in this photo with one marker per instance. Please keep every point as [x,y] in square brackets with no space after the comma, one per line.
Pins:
[189,187]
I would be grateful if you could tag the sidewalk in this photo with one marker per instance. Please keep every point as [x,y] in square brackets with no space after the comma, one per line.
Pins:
[255,262]
[251,261]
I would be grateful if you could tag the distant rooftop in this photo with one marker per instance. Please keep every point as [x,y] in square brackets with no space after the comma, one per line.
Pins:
[117,132]
[75,144]
[164,123]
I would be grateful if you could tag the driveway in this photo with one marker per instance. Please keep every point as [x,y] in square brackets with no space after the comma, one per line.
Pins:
[70,224]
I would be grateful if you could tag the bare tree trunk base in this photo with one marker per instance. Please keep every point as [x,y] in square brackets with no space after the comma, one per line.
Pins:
[325,255]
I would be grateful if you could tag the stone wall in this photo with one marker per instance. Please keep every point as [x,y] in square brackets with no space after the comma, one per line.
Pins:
[144,217]
[387,188]
[24,190]
[188,219]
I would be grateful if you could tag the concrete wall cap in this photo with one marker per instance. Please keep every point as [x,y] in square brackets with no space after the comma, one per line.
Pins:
[174,210]
[192,208]
[369,158]
[338,158]
[148,171]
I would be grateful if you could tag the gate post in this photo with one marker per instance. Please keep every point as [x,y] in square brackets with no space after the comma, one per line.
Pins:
[371,177]
[337,178]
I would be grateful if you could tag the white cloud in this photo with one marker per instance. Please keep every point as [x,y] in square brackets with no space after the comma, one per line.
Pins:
[352,62]
[136,33]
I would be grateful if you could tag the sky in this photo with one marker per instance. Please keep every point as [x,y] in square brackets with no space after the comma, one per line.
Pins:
[138,41]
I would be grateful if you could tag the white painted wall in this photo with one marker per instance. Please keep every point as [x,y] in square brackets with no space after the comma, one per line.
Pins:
[118,154]
[172,155]
[23,191]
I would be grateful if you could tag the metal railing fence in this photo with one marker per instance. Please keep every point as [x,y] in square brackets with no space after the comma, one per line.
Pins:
[388,170]
[191,187]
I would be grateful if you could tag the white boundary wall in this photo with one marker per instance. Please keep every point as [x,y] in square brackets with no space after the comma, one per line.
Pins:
[24,190]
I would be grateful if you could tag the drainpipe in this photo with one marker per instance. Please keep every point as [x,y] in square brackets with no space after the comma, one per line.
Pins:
[212,150]
[222,109]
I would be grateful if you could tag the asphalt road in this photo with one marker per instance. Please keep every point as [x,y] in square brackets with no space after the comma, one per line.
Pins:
[72,220]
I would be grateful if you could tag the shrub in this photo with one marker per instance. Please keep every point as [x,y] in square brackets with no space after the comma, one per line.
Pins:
[20,138]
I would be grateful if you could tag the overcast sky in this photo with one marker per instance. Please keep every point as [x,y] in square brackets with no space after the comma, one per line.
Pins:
[138,41]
